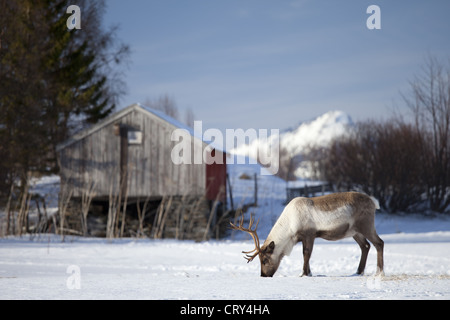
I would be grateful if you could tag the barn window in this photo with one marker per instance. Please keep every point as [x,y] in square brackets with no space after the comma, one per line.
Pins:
[134,137]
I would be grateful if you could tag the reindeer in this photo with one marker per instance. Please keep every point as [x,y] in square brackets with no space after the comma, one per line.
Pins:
[331,217]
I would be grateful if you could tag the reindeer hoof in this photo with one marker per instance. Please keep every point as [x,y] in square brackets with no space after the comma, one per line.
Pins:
[357,274]
[379,273]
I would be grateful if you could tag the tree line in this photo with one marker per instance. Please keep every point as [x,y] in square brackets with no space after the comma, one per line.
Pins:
[405,161]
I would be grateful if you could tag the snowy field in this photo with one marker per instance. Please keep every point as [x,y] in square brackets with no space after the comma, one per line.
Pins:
[417,266]
[417,261]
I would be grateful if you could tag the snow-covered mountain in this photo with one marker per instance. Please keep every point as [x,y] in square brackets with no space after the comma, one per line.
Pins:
[318,132]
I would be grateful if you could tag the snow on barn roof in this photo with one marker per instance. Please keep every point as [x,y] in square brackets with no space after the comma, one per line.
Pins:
[119,114]
[169,119]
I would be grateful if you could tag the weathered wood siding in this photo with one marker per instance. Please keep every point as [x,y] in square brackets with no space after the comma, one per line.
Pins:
[95,158]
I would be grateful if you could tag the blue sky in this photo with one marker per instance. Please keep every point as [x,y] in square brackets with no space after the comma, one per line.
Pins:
[271,64]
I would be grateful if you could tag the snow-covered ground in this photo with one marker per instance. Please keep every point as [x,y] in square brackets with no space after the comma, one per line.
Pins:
[417,266]
[417,261]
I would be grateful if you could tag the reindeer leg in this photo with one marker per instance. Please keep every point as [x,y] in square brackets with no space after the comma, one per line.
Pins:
[365,247]
[379,245]
[308,244]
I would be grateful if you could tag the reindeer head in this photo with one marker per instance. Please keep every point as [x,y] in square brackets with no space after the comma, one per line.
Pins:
[269,263]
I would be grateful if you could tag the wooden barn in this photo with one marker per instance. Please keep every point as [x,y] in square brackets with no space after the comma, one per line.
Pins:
[122,167]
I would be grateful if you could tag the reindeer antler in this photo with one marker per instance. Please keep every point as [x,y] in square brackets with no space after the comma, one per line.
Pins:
[249,230]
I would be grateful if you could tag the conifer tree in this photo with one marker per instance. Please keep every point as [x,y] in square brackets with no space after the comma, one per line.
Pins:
[52,80]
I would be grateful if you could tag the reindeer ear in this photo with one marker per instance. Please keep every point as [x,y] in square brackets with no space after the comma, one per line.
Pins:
[270,247]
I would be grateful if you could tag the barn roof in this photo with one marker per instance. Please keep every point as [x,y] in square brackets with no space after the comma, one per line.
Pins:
[121,113]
